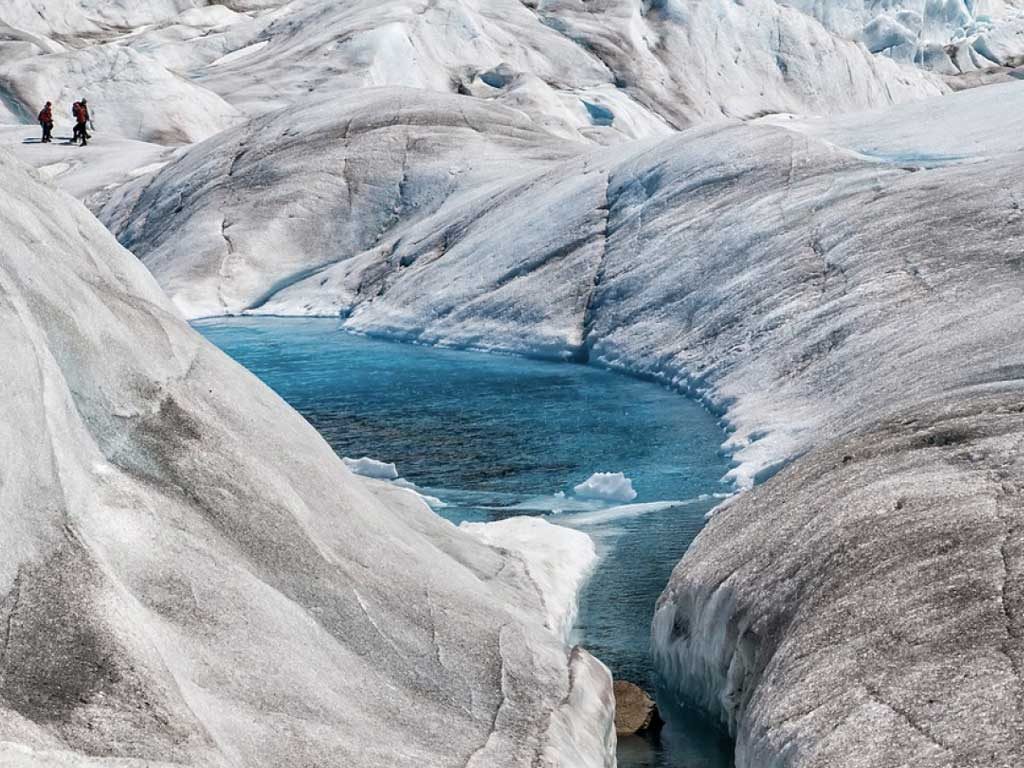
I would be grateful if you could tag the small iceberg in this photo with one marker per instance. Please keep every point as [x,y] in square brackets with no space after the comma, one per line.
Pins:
[607,486]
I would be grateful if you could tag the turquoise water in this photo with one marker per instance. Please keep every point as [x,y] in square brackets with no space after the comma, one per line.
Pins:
[494,436]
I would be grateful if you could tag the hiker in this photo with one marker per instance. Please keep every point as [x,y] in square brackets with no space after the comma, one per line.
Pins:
[46,121]
[80,111]
[76,111]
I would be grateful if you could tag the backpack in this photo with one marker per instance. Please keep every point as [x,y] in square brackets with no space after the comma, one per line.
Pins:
[76,110]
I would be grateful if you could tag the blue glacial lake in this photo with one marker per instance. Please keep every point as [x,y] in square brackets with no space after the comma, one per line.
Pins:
[494,436]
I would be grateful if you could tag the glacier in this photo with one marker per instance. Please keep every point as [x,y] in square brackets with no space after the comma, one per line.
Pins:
[841,290]
[193,577]
[805,214]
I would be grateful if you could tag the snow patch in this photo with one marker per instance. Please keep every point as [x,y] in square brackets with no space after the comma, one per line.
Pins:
[53,170]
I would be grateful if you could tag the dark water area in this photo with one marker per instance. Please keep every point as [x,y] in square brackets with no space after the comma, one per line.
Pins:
[494,436]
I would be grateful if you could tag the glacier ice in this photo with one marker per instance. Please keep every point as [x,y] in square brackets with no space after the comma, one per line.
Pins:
[811,279]
[558,560]
[368,467]
[840,285]
[191,574]
[608,486]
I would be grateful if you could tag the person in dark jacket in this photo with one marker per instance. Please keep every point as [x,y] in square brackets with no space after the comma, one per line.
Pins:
[80,111]
[46,121]
[76,111]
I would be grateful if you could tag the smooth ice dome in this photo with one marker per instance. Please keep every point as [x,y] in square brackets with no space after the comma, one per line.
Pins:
[608,486]
[368,467]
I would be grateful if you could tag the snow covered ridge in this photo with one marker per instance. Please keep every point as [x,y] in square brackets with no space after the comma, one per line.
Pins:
[610,256]
[600,72]
[845,291]
[191,576]
[558,559]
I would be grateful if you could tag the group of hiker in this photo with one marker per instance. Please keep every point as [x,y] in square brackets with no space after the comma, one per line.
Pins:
[80,114]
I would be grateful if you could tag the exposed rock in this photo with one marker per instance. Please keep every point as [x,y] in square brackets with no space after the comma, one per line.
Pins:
[635,711]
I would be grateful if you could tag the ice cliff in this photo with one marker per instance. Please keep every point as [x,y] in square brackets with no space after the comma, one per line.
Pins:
[192,577]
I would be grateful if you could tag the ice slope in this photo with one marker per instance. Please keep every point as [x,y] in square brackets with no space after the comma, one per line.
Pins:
[632,257]
[192,577]
[73,19]
[846,293]
[130,95]
[603,72]
[644,66]
[340,177]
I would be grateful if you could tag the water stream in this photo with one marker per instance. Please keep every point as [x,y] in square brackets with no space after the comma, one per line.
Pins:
[494,436]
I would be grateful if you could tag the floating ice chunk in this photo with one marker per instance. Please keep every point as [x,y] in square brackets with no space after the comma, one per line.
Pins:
[611,486]
[368,467]
[558,561]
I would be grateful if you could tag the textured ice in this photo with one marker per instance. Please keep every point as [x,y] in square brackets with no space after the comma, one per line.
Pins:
[843,288]
[601,73]
[192,577]
[831,286]
[609,486]
[130,95]
[368,467]
[557,559]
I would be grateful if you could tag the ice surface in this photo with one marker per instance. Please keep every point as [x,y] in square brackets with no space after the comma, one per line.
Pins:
[610,486]
[621,512]
[191,574]
[842,289]
[794,274]
[372,468]
[130,95]
[624,71]
[450,269]
[557,559]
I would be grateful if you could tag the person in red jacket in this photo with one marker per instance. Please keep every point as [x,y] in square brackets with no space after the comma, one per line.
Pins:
[46,121]
[76,112]
[80,111]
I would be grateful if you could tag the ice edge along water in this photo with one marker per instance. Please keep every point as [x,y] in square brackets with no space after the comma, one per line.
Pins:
[209,577]
[817,260]
[759,232]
